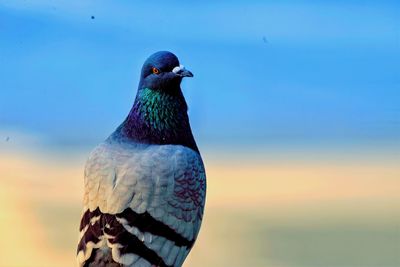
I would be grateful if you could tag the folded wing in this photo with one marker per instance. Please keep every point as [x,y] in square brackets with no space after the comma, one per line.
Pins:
[144,204]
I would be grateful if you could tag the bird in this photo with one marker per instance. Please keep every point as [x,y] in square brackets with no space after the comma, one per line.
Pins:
[145,185]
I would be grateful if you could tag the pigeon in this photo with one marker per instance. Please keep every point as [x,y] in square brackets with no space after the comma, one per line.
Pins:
[145,185]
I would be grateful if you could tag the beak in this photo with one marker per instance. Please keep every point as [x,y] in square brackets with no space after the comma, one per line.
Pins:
[186,73]
[182,72]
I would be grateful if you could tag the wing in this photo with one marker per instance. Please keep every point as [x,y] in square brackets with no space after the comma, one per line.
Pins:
[144,203]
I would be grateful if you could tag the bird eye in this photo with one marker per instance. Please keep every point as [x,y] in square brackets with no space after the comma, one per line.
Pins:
[155,70]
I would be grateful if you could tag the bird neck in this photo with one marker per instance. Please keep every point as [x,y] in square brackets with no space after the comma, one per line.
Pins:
[158,117]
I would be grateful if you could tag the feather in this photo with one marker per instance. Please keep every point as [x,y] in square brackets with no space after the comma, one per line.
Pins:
[160,203]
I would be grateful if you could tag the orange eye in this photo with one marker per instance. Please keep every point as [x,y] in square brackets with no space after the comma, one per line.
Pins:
[155,70]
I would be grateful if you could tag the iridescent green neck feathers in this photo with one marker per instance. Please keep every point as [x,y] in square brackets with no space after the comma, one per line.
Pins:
[159,117]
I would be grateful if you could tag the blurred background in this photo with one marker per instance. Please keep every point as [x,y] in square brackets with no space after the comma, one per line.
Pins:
[295,106]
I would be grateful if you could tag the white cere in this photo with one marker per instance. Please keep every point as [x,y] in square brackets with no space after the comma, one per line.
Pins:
[177,69]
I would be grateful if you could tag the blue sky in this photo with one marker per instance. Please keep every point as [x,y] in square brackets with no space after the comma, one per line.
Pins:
[288,72]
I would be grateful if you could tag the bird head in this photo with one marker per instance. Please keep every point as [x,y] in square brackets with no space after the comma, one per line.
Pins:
[162,71]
